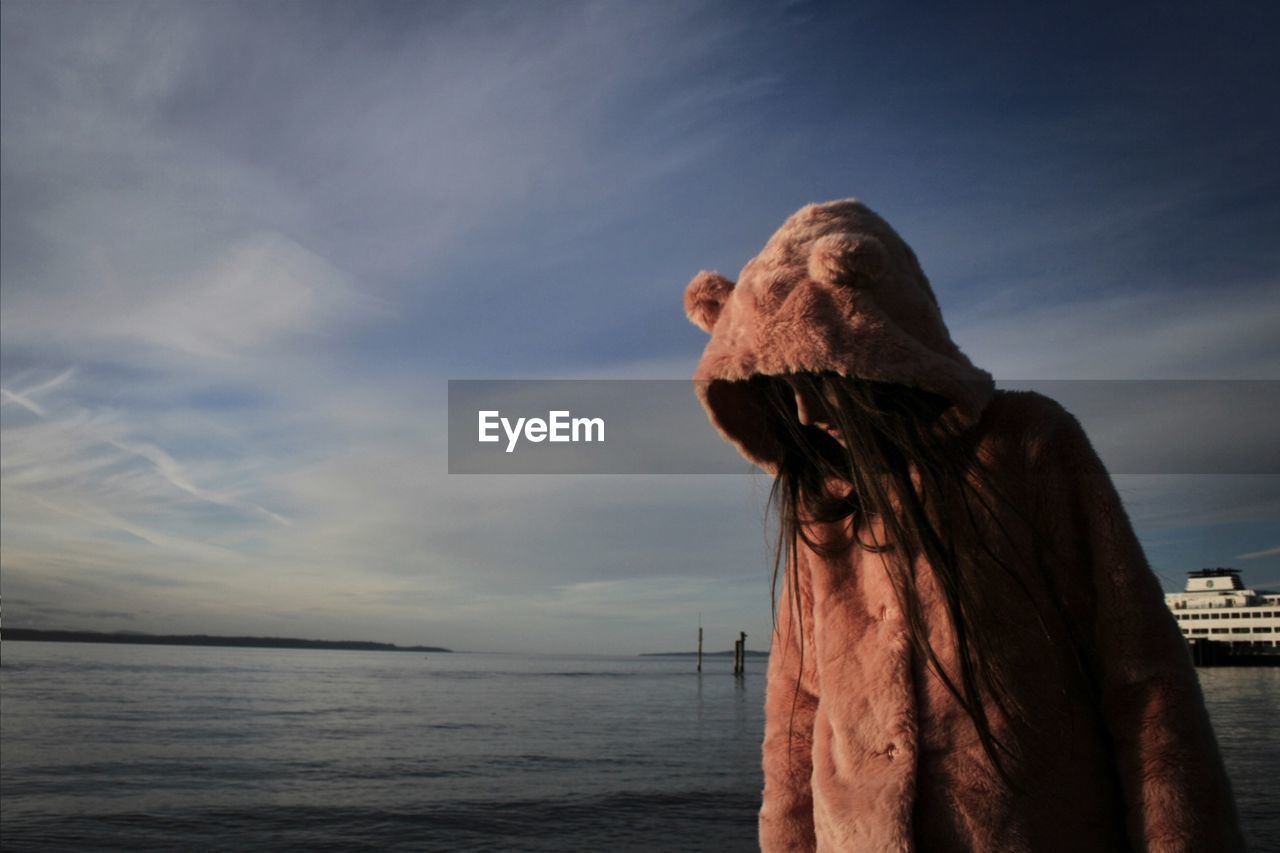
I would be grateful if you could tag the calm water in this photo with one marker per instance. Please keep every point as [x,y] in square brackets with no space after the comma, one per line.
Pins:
[131,747]
[136,747]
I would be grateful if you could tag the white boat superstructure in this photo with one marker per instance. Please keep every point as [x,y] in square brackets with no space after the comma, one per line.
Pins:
[1216,606]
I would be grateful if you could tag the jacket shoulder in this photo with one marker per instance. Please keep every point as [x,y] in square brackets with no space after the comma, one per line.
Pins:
[1028,408]
[1024,424]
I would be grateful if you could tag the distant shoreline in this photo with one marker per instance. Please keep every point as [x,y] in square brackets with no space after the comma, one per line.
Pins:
[726,654]
[35,635]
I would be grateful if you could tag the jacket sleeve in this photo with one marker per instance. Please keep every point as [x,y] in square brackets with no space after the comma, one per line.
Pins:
[1177,793]
[791,699]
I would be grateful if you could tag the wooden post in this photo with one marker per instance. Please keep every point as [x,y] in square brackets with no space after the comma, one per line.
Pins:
[699,648]
[742,651]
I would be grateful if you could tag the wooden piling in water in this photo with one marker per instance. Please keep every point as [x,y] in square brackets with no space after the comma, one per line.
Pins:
[740,654]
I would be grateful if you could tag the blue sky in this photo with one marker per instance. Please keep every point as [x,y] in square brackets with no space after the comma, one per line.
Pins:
[244,246]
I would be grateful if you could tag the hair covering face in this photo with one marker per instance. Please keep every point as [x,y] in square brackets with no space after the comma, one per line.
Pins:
[834,289]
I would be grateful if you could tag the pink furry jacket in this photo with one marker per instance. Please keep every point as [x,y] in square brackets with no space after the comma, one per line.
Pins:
[864,748]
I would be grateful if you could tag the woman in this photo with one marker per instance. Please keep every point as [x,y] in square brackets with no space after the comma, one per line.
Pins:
[970,651]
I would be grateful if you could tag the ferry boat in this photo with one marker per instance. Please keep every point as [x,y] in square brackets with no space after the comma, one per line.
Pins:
[1225,623]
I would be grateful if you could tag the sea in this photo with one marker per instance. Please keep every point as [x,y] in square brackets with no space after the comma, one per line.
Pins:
[128,747]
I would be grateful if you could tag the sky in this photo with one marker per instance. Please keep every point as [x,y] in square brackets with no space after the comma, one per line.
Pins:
[244,247]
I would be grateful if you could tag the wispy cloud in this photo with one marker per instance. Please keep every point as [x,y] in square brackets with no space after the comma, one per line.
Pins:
[27,396]
[1224,332]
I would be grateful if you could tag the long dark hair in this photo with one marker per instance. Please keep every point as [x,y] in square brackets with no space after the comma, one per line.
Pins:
[888,433]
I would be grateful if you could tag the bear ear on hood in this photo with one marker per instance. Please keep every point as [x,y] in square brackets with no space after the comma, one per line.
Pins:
[854,260]
[704,298]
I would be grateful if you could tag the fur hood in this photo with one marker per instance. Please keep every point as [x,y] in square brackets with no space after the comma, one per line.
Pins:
[834,289]
[864,747]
